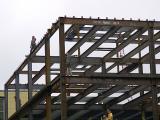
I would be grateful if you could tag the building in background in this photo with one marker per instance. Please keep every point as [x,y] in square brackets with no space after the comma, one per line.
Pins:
[11,102]
[2,106]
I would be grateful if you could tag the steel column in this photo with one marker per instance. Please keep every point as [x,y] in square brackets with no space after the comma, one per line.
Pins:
[103,67]
[62,70]
[6,102]
[48,78]
[17,96]
[30,87]
[153,72]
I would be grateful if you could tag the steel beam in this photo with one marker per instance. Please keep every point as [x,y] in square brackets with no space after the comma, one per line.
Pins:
[109,22]
[124,96]
[74,60]
[129,55]
[83,40]
[125,43]
[38,75]
[25,86]
[82,94]
[130,80]
[94,107]
[90,60]
[100,41]
[72,89]
[91,69]
[104,95]
[97,99]
[142,45]
[110,41]
[138,100]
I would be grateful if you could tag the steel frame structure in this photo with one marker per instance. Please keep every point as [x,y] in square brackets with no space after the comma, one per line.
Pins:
[103,71]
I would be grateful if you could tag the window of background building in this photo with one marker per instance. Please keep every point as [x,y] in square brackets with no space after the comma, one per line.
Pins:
[2,108]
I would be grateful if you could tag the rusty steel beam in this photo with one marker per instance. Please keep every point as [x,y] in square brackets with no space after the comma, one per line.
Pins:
[84,107]
[109,41]
[121,36]
[82,94]
[96,100]
[139,100]
[125,43]
[25,86]
[136,50]
[104,95]
[83,40]
[124,96]
[100,41]
[111,80]
[90,60]
[109,22]
[113,102]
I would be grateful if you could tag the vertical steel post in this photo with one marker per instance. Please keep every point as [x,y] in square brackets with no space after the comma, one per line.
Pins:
[103,67]
[48,78]
[79,51]
[139,63]
[6,102]
[153,72]
[30,87]
[141,92]
[17,96]
[62,70]
[117,57]
[140,67]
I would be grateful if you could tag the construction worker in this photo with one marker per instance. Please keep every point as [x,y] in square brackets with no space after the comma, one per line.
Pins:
[109,115]
[33,43]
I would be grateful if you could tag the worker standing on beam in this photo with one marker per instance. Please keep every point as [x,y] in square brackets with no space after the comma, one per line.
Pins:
[33,43]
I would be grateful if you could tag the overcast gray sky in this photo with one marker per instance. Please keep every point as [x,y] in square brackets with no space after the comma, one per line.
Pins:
[20,19]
